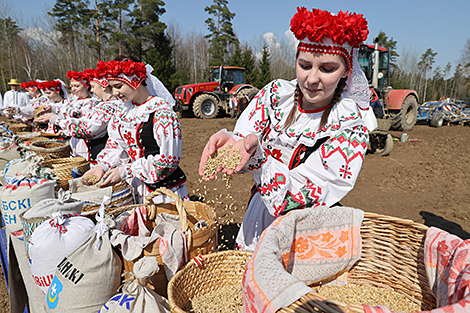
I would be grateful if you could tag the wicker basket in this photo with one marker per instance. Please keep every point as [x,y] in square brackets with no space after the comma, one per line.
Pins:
[122,199]
[392,257]
[63,169]
[51,149]
[19,127]
[201,241]
[31,137]
[219,269]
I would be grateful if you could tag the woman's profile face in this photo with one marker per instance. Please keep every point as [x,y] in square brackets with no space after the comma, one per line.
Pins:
[34,93]
[77,88]
[53,96]
[318,75]
[97,89]
[122,90]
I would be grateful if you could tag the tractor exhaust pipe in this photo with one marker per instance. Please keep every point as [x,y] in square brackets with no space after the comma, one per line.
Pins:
[375,64]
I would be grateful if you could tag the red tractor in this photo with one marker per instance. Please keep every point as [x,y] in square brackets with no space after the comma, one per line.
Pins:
[399,105]
[226,90]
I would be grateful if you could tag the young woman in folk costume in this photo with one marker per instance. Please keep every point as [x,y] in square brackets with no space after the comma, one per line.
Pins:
[304,140]
[56,92]
[145,144]
[91,127]
[38,98]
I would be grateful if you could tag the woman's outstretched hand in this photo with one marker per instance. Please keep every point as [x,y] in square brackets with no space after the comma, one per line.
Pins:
[246,146]
[111,178]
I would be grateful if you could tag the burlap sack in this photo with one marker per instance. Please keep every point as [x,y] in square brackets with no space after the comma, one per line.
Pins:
[19,195]
[136,297]
[52,241]
[25,186]
[43,210]
[88,277]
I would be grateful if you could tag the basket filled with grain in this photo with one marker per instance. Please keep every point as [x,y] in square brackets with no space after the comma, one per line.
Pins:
[19,127]
[215,286]
[390,272]
[199,241]
[31,136]
[51,149]
[66,169]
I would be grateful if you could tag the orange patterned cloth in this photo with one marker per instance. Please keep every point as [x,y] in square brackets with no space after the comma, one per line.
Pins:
[299,248]
[447,261]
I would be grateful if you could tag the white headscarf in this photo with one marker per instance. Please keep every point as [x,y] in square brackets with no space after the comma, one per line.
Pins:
[156,88]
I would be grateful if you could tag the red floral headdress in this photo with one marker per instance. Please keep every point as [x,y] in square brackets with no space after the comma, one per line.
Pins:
[99,75]
[53,85]
[80,77]
[127,71]
[321,31]
[32,85]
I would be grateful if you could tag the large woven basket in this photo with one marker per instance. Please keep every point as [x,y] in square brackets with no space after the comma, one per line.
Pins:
[19,127]
[64,167]
[392,257]
[51,149]
[201,241]
[31,137]
[122,198]
[219,270]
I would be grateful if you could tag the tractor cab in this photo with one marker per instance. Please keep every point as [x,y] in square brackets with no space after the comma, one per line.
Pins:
[231,76]
[367,59]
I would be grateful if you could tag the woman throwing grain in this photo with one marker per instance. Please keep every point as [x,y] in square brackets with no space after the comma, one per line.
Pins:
[304,140]
[144,144]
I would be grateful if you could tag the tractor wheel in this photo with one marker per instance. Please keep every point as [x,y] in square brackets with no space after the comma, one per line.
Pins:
[381,143]
[249,93]
[437,120]
[206,106]
[406,119]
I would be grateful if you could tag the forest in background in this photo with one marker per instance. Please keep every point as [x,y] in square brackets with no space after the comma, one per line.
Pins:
[75,34]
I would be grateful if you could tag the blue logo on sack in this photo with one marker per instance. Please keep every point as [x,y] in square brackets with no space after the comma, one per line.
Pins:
[52,297]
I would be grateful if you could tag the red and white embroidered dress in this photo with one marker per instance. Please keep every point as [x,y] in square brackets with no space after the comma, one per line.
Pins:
[90,123]
[124,148]
[301,166]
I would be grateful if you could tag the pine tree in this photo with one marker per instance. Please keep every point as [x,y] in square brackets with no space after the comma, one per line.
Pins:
[249,63]
[221,35]
[71,17]
[264,67]
[9,31]
[391,46]
[103,21]
[146,39]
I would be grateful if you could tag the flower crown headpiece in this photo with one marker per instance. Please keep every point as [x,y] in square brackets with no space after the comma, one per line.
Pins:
[322,32]
[53,85]
[127,71]
[32,85]
[80,77]
[96,76]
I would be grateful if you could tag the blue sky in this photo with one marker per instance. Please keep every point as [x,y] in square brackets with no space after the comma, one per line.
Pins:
[443,26]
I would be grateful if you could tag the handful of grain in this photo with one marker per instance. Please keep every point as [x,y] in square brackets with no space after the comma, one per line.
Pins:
[372,296]
[91,178]
[221,158]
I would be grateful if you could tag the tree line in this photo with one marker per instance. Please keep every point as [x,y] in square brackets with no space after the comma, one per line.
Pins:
[75,34]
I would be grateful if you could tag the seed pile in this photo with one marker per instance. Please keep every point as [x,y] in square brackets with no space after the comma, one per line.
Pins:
[227,299]
[360,294]
[221,158]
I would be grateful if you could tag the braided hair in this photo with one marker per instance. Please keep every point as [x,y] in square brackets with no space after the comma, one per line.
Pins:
[324,118]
